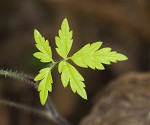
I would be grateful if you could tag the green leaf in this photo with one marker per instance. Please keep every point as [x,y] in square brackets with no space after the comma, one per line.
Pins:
[89,56]
[93,56]
[70,75]
[45,84]
[107,56]
[45,54]
[64,40]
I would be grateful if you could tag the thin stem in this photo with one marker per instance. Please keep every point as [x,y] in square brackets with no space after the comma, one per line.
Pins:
[54,116]
[25,108]
[58,119]
[52,64]
[19,76]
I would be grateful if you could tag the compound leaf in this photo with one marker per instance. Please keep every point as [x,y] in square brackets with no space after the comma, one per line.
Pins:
[45,84]
[70,75]
[92,56]
[89,56]
[45,54]
[64,40]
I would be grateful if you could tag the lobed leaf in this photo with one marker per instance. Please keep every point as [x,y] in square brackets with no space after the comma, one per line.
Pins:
[94,57]
[64,40]
[45,54]
[70,75]
[107,56]
[89,56]
[45,84]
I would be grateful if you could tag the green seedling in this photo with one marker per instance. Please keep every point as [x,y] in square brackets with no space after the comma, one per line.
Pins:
[90,56]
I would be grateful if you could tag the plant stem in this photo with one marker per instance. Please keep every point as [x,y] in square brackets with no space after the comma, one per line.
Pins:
[25,108]
[53,114]
[56,117]
[18,76]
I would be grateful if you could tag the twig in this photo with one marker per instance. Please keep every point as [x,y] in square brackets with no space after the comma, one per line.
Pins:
[25,108]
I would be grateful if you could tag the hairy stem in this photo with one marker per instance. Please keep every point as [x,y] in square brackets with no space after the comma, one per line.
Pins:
[53,114]
[18,76]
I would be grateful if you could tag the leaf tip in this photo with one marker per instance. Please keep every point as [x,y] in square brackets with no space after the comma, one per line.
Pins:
[65,23]
[36,32]
[65,20]
[125,57]
[86,98]
[36,35]
[34,54]
[35,79]
[42,102]
[43,98]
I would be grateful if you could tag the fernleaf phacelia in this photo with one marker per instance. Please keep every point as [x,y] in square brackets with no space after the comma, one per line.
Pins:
[91,55]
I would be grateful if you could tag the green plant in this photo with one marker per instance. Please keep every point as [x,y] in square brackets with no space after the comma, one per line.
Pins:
[88,56]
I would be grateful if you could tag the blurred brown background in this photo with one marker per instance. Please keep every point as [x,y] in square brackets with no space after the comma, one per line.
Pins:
[124,25]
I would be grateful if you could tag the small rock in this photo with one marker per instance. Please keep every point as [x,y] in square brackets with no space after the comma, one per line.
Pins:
[125,101]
